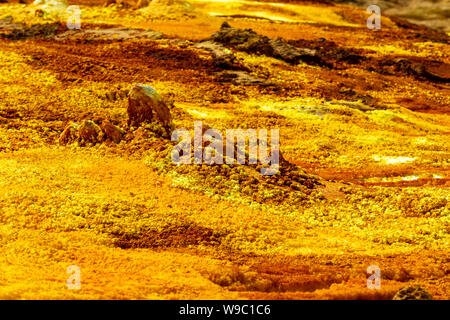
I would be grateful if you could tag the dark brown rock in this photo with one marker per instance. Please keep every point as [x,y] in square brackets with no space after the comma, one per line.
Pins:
[437,72]
[284,51]
[222,57]
[249,41]
[146,105]
[89,132]
[69,135]
[112,132]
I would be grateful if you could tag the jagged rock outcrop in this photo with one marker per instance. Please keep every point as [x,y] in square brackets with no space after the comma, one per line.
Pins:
[425,70]
[249,41]
[222,56]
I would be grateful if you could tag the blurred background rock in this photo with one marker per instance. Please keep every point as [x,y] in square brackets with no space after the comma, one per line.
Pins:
[432,13]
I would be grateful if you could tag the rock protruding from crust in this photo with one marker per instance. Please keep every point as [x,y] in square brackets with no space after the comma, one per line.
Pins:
[89,132]
[284,51]
[435,71]
[112,132]
[69,135]
[413,293]
[249,41]
[222,57]
[146,105]
[225,25]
